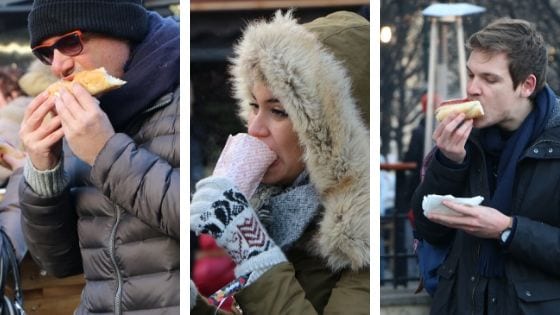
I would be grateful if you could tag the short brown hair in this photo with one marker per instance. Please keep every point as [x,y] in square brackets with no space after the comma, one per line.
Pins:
[524,47]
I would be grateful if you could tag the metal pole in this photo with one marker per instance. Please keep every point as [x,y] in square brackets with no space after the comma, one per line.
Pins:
[462,58]
[443,62]
[431,86]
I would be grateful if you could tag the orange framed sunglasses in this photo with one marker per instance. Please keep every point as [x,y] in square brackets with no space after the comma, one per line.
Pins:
[70,44]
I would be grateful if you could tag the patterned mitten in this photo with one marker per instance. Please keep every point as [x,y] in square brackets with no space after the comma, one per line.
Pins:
[219,209]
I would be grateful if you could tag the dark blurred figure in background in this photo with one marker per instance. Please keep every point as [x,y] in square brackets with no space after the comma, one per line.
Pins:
[415,153]
[406,183]
[197,155]
[9,88]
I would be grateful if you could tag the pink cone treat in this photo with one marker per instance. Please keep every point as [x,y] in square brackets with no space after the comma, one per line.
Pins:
[244,160]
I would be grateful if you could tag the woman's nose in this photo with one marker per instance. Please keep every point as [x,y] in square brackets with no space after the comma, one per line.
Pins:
[257,126]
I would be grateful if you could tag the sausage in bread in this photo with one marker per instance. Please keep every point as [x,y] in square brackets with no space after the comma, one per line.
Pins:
[471,108]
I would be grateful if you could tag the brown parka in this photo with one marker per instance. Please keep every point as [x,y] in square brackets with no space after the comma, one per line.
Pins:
[319,72]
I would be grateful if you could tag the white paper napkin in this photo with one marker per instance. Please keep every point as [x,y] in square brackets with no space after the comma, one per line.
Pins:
[432,204]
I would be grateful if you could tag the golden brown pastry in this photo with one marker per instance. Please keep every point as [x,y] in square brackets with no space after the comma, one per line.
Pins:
[94,81]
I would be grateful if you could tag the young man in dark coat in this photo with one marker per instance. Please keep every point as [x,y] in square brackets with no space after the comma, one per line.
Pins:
[107,204]
[505,253]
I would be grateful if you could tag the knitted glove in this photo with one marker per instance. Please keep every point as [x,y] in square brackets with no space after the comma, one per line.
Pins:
[219,209]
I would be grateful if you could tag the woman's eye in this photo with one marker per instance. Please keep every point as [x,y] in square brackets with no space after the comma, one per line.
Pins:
[280,113]
[254,107]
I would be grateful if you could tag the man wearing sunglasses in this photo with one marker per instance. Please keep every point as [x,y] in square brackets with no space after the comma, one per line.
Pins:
[101,189]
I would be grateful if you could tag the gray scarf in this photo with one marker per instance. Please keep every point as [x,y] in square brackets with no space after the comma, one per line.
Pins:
[286,212]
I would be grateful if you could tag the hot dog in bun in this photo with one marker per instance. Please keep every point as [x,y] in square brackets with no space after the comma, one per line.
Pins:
[471,108]
[94,81]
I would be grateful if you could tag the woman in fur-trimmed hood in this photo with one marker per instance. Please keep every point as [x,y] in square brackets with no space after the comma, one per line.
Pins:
[300,89]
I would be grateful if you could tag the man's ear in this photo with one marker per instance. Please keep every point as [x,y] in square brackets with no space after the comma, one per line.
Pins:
[529,85]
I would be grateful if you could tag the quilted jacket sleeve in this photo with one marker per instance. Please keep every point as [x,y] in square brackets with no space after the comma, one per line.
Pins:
[440,180]
[141,174]
[50,229]
[139,181]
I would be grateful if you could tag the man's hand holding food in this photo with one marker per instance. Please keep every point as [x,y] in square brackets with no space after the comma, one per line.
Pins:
[41,133]
[86,127]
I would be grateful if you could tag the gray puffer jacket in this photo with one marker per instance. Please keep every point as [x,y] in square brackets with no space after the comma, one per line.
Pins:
[117,221]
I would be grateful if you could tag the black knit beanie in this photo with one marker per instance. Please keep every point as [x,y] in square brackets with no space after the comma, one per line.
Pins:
[126,19]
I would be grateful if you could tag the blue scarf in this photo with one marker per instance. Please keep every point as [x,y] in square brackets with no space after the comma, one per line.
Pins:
[151,71]
[507,152]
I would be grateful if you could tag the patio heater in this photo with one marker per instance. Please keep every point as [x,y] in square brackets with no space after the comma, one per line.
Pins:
[444,14]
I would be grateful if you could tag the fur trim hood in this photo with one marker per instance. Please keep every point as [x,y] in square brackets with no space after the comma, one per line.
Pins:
[303,68]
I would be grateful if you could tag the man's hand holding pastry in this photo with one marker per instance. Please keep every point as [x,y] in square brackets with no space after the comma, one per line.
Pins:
[86,127]
[41,136]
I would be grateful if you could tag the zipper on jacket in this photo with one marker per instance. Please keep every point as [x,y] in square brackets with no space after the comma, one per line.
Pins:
[118,293]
